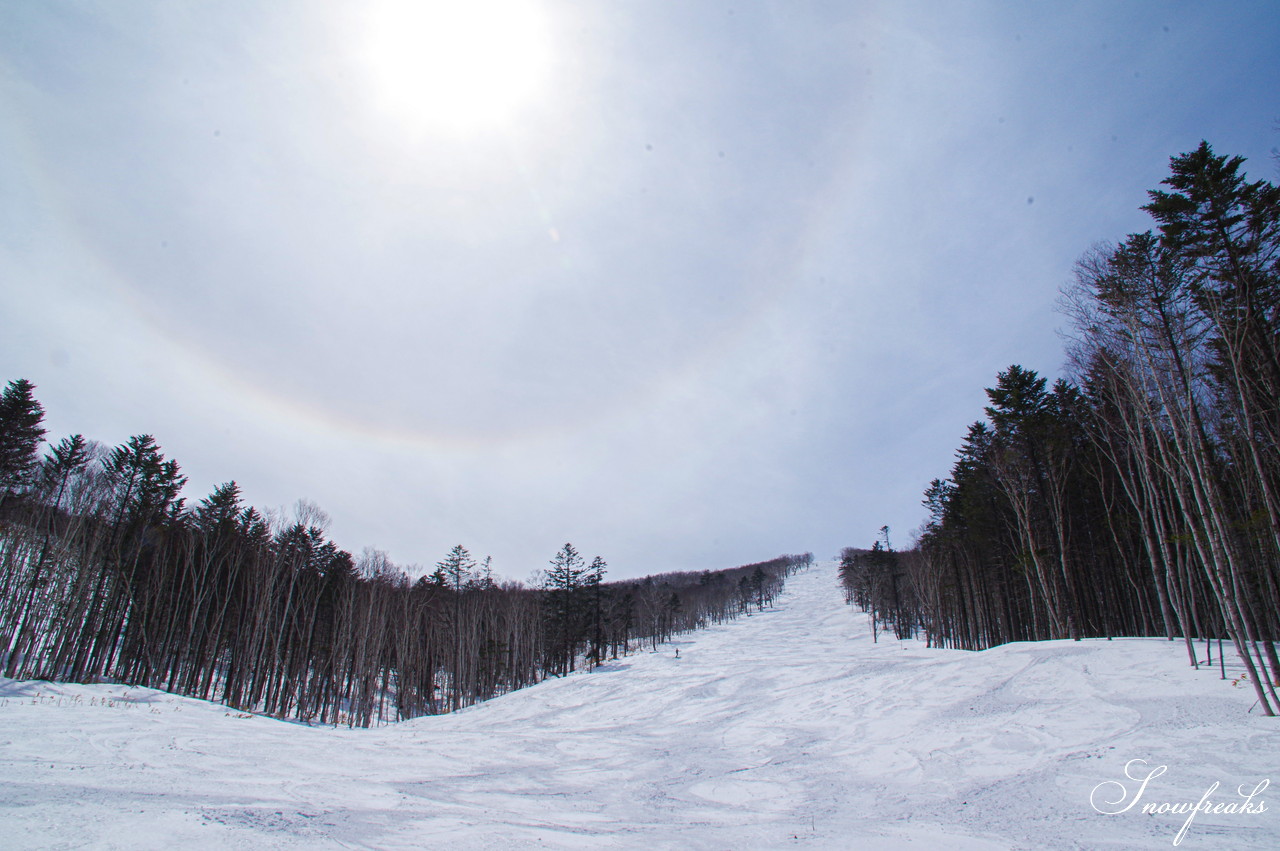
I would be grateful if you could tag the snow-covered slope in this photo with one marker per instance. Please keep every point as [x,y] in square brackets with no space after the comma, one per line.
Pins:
[788,728]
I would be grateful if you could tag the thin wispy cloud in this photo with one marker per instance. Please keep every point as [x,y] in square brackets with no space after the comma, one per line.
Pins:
[696,286]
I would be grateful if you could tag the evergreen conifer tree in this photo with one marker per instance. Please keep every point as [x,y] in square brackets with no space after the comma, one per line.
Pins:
[65,460]
[20,436]
[564,583]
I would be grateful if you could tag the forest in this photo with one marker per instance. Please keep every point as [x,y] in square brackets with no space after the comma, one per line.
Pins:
[1139,495]
[107,574]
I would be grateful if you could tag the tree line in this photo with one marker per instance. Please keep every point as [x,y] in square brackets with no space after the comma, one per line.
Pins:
[1140,494]
[106,573]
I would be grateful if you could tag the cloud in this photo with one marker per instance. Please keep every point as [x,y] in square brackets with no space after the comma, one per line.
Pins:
[732,288]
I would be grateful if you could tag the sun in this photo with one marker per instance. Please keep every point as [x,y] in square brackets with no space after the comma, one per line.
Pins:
[456,67]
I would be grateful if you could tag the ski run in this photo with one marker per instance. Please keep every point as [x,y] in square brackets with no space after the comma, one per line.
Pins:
[788,728]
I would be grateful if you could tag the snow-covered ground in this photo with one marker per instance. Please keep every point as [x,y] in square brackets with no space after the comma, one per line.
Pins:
[787,728]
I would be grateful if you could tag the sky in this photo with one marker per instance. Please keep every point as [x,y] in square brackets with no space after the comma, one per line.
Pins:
[689,285]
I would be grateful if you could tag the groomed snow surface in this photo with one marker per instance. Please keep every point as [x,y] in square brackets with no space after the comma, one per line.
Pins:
[787,728]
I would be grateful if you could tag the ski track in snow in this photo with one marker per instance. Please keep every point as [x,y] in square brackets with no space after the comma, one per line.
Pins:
[786,728]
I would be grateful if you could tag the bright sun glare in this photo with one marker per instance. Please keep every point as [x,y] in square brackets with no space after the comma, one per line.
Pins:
[457,66]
